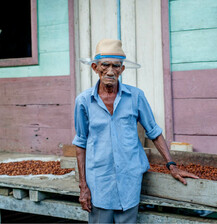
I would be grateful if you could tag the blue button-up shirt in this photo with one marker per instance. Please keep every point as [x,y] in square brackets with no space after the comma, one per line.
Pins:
[115,158]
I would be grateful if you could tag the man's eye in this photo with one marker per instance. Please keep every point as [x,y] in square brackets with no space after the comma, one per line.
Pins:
[116,66]
[105,64]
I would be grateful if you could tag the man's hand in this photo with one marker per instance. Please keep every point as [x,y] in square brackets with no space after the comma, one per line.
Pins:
[85,198]
[179,174]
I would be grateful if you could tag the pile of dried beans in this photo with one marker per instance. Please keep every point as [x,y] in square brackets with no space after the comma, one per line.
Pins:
[204,172]
[33,167]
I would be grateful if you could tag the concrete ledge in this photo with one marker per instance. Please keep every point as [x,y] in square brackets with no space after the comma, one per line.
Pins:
[71,210]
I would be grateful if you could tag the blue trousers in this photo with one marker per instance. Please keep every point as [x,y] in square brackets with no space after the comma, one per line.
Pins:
[99,215]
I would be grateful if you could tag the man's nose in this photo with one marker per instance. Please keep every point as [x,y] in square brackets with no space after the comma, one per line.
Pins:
[110,70]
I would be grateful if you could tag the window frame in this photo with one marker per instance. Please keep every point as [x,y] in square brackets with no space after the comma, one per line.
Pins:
[33,60]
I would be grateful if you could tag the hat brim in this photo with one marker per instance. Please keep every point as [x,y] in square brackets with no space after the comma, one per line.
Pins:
[127,63]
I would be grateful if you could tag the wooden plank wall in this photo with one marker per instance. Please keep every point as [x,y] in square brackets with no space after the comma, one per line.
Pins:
[37,102]
[35,114]
[195,104]
[53,43]
[193,49]
[193,34]
[141,38]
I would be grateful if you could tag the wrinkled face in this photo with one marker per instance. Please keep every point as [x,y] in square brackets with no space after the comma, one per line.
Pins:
[108,71]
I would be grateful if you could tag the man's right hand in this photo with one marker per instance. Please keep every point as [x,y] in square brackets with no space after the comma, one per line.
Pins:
[85,198]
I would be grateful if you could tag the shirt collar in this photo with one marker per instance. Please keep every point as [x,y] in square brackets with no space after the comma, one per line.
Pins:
[122,88]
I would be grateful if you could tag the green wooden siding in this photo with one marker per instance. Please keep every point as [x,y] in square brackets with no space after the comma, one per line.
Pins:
[53,42]
[193,34]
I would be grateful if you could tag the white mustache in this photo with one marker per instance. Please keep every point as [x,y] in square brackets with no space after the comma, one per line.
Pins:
[109,77]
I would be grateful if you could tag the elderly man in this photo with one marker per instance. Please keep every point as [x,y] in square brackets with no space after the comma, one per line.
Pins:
[111,159]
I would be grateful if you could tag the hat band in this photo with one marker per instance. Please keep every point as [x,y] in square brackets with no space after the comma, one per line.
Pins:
[99,56]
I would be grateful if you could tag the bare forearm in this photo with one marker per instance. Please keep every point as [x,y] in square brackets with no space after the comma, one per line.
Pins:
[81,157]
[161,146]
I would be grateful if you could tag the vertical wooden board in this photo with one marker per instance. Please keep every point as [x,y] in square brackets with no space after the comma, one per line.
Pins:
[205,144]
[191,14]
[158,65]
[128,37]
[76,46]
[195,116]
[34,140]
[85,43]
[149,55]
[195,84]
[103,24]
[144,35]
[52,12]
[194,46]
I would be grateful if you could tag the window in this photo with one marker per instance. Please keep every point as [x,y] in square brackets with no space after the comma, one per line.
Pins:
[18,33]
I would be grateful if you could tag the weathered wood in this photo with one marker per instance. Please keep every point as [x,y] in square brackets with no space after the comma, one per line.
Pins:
[164,202]
[71,210]
[37,196]
[34,140]
[195,116]
[48,207]
[102,25]
[5,191]
[167,72]
[70,162]
[69,150]
[193,46]
[195,84]
[183,157]
[84,43]
[150,75]
[196,191]
[200,143]
[194,66]
[47,116]
[19,193]
[35,90]
[51,64]
[128,37]
[54,38]
[155,217]
[186,15]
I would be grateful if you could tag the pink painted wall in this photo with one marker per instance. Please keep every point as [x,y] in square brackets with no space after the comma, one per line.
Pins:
[195,108]
[190,100]
[36,113]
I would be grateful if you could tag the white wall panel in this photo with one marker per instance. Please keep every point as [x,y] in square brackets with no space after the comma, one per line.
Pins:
[103,24]
[128,37]
[141,38]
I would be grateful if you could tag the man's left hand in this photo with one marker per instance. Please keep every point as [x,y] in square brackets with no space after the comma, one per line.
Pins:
[180,174]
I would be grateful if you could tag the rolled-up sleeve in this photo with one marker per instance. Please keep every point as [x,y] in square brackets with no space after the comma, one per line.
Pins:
[81,123]
[146,118]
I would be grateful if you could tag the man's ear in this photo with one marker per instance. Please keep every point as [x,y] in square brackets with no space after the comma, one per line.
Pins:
[94,67]
[122,68]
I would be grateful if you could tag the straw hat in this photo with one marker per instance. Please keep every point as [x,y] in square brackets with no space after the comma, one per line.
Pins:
[111,49]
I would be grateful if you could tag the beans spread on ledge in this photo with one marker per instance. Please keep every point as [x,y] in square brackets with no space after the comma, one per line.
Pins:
[34,167]
[204,172]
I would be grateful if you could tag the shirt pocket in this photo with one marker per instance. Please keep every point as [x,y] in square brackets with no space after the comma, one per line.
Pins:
[128,129]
